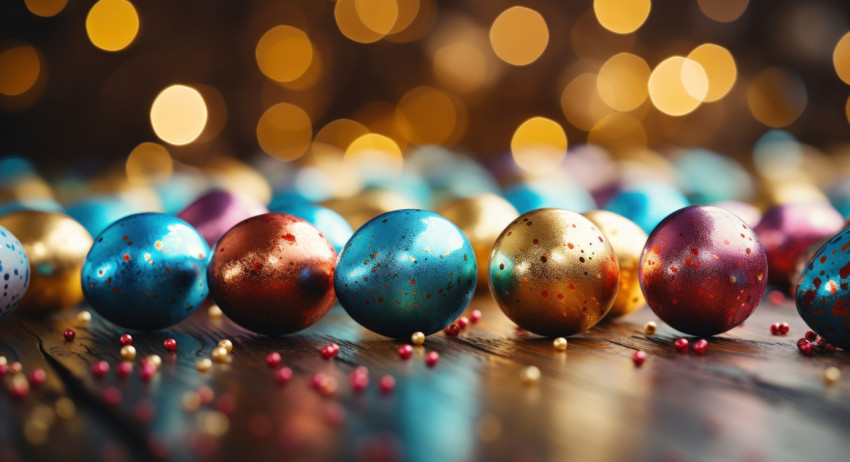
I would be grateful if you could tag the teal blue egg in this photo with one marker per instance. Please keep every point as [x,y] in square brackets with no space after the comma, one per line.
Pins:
[331,224]
[406,271]
[647,203]
[541,194]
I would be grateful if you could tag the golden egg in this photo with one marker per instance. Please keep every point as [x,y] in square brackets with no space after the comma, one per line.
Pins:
[553,272]
[361,208]
[481,219]
[56,246]
[628,240]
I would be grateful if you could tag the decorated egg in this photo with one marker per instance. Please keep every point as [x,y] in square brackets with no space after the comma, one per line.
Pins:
[545,193]
[330,223]
[217,211]
[146,271]
[273,274]
[406,271]
[822,295]
[786,231]
[56,246]
[553,272]
[703,271]
[14,272]
[628,240]
[646,204]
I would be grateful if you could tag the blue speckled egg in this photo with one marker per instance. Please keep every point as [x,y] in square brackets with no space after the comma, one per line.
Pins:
[406,271]
[14,272]
[822,296]
[146,271]
[330,223]
[647,203]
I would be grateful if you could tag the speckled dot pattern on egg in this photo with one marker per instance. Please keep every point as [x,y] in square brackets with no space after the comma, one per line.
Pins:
[823,296]
[14,272]
[146,271]
[406,271]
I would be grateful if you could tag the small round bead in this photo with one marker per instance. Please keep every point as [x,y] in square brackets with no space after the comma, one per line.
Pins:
[3,361]
[418,338]
[226,344]
[111,396]
[805,348]
[283,375]
[452,329]
[70,334]
[784,328]
[638,358]
[147,371]
[405,351]
[462,322]
[37,377]
[100,368]
[16,368]
[774,329]
[776,297]
[432,358]
[219,354]
[831,375]
[83,318]
[701,346]
[560,344]
[530,375]
[649,328]
[681,345]
[359,382]
[156,360]
[811,335]
[273,359]
[828,347]
[128,352]
[329,351]
[475,316]
[215,312]
[170,345]
[124,369]
[126,339]
[204,365]
[386,384]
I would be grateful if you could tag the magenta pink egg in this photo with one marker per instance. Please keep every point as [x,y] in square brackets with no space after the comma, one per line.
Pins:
[214,213]
[703,271]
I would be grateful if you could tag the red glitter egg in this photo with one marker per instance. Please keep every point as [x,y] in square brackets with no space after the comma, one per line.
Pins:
[273,274]
[703,271]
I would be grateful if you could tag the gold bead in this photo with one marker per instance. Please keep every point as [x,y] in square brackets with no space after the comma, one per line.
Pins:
[83,318]
[831,375]
[65,408]
[191,401]
[155,360]
[15,368]
[226,344]
[128,352]
[215,312]
[530,375]
[219,354]
[418,338]
[204,365]
[3,361]
[649,328]
[560,344]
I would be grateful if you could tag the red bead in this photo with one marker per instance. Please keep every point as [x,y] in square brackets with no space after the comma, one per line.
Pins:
[37,377]
[681,345]
[776,297]
[126,339]
[475,316]
[100,368]
[828,347]
[784,328]
[801,341]
[70,334]
[405,351]
[273,359]
[462,322]
[330,351]
[359,382]
[19,389]
[3,369]
[638,358]
[124,369]
[701,346]
[111,396]
[386,384]
[811,335]
[452,329]
[318,379]
[806,348]
[774,329]
[283,375]
[147,372]
[170,345]
[432,358]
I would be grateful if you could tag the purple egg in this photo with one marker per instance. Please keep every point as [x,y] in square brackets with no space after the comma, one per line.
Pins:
[786,231]
[214,213]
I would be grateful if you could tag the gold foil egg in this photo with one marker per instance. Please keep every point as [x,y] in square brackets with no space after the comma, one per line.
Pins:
[481,218]
[628,240]
[56,245]
[553,272]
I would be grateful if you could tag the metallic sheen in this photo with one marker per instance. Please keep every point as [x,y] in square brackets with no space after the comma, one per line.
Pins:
[553,272]
[146,271]
[330,223]
[628,240]
[406,271]
[273,274]
[14,272]
[214,213]
[703,270]
[56,246]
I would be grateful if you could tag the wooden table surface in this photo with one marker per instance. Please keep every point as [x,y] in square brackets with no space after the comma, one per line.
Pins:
[752,397]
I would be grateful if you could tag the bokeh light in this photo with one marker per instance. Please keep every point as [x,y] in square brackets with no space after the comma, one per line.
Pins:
[284,53]
[374,151]
[538,145]
[618,132]
[461,67]
[427,116]
[338,135]
[149,163]
[719,67]
[677,86]
[581,102]
[179,115]
[519,35]
[378,15]
[112,25]
[349,22]
[45,8]
[841,58]
[285,131]
[622,81]
[621,16]
[777,97]
[20,67]
[723,10]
